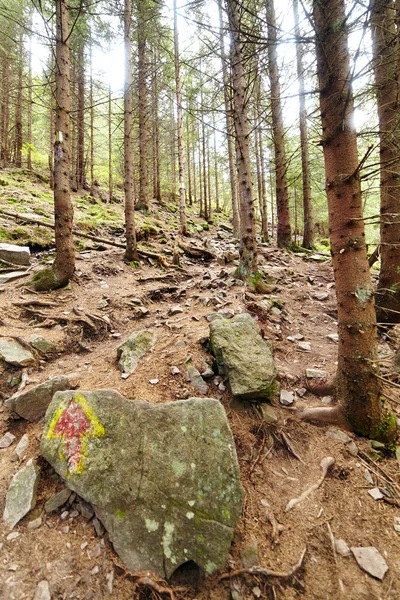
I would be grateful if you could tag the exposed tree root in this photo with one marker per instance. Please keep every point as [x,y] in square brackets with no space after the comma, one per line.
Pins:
[326,463]
[265,572]
[277,528]
[195,252]
[325,415]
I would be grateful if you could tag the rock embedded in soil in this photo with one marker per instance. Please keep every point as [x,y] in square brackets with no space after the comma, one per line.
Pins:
[14,354]
[42,591]
[338,435]
[41,344]
[21,446]
[305,346]
[162,478]
[58,500]
[134,348]
[17,255]
[286,398]
[316,374]
[21,494]
[196,380]
[371,561]
[32,404]
[341,547]
[7,440]
[268,413]
[376,494]
[244,357]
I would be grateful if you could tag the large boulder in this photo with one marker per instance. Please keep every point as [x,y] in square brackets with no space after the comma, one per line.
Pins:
[244,357]
[162,478]
[131,351]
[32,404]
[17,255]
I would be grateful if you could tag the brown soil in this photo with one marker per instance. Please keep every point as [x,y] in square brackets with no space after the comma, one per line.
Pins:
[268,470]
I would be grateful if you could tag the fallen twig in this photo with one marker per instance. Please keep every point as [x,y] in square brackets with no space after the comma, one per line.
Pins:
[289,446]
[277,528]
[325,464]
[265,572]
[332,540]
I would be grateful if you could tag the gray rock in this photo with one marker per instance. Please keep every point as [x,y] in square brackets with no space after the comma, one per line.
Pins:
[305,346]
[268,413]
[196,380]
[368,477]
[41,344]
[175,371]
[321,297]
[21,494]
[85,509]
[286,398]
[315,374]
[301,392]
[377,445]
[131,351]
[17,255]
[175,310]
[352,448]
[10,276]
[35,524]
[15,354]
[244,357]
[7,440]
[58,500]
[208,373]
[42,591]
[371,561]
[326,399]
[375,493]
[249,555]
[334,337]
[32,404]
[295,338]
[162,478]
[22,446]
[338,435]
[342,548]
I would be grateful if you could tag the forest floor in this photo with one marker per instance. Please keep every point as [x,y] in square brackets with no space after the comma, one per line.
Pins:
[108,294]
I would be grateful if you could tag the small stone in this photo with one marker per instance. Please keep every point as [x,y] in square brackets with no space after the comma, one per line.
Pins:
[316,374]
[305,346]
[154,381]
[275,311]
[65,529]
[15,354]
[333,337]
[95,570]
[35,524]
[41,344]
[295,338]
[352,448]
[268,413]
[376,445]
[73,514]
[134,348]
[21,494]
[286,398]
[368,476]
[175,371]
[180,344]
[256,592]
[84,545]
[42,591]
[85,509]
[64,515]
[196,380]
[110,581]
[342,548]
[98,527]
[175,310]
[12,536]
[222,387]
[371,561]
[321,297]
[301,392]
[338,435]
[7,440]
[326,400]
[208,373]
[57,500]
[375,493]
[97,551]
[397,524]
[249,555]
[143,311]
[22,445]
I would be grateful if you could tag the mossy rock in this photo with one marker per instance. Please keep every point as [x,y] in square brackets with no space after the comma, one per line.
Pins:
[44,280]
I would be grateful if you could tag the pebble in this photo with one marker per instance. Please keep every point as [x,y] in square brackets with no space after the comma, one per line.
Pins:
[221,387]
[397,524]
[316,373]
[175,371]
[333,337]
[65,529]
[7,440]
[74,514]
[286,398]
[110,581]
[326,399]
[295,338]
[57,500]
[342,548]
[64,515]
[95,570]
[368,476]
[208,373]
[321,297]
[175,310]
[12,536]
[371,561]
[35,524]
[375,493]
[301,392]
[305,346]
[84,545]
[352,448]
[338,435]
[42,591]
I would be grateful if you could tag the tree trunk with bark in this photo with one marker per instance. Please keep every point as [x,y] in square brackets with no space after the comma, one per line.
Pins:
[357,381]
[18,115]
[156,135]
[131,246]
[29,110]
[110,147]
[229,128]
[386,60]
[64,263]
[248,248]
[282,195]
[5,108]
[308,231]
[91,122]
[80,165]
[144,191]
[181,155]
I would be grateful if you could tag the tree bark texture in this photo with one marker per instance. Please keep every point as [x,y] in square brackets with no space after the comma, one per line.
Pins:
[181,155]
[18,115]
[357,383]
[386,60]
[144,192]
[282,196]
[248,248]
[80,165]
[131,247]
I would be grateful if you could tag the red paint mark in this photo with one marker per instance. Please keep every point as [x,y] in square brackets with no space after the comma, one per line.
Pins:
[73,424]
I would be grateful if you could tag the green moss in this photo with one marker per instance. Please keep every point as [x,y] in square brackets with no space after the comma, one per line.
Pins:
[44,280]
[386,431]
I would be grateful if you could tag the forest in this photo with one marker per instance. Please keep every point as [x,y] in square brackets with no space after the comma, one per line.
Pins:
[199,299]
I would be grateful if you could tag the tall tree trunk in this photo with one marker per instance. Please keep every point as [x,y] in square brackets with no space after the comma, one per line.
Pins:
[386,55]
[209,176]
[264,205]
[217,207]
[156,135]
[308,232]
[229,129]
[5,108]
[143,201]
[91,122]
[204,149]
[18,115]
[64,263]
[248,248]
[282,196]
[131,247]
[110,147]
[52,133]
[80,170]
[29,158]
[194,165]
[181,156]
[357,379]
[189,163]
